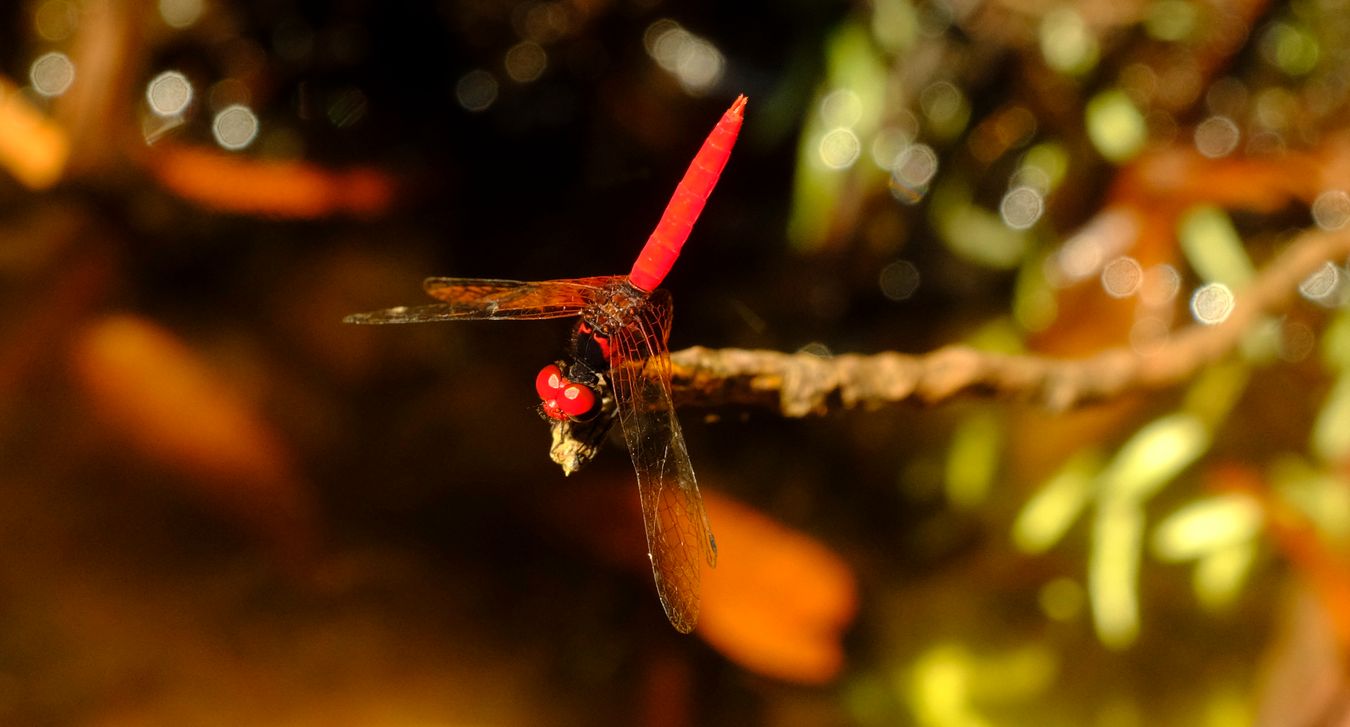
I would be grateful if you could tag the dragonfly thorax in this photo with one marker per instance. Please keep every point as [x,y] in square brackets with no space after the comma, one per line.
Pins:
[615,306]
[590,350]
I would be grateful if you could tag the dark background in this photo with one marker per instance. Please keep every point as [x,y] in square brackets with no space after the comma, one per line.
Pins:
[322,524]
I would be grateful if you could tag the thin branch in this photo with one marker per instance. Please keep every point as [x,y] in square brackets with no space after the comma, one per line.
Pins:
[801,384]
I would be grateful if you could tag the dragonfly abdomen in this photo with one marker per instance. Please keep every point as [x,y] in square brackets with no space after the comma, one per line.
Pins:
[659,254]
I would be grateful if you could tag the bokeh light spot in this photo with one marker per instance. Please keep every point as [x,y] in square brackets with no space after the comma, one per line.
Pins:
[169,94]
[701,66]
[657,34]
[945,107]
[1322,285]
[899,280]
[913,171]
[1276,107]
[1217,136]
[52,73]
[525,62]
[1122,277]
[1115,125]
[1212,304]
[1290,48]
[1067,43]
[235,127]
[1160,285]
[476,90]
[347,107]
[547,21]
[839,148]
[1021,207]
[887,145]
[1083,255]
[694,61]
[56,20]
[1331,209]
[841,107]
[180,13]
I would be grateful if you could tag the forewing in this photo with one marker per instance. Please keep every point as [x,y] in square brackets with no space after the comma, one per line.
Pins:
[484,299]
[678,535]
[514,299]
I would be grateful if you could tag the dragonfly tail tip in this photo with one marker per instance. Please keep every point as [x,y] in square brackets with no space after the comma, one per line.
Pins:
[738,107]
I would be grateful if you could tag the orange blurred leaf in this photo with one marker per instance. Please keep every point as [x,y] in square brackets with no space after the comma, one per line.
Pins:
[1325,569]
[275,188]
[159,396]
[778,601]
[32,147]
[1147,200]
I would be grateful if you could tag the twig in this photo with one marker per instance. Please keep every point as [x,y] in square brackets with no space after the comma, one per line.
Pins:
[801,384]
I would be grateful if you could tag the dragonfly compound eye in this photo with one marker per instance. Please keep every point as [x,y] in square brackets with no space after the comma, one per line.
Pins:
[549,382]
[562,398]
[577,400]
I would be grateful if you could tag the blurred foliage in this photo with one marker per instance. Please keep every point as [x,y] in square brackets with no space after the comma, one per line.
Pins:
[222,506]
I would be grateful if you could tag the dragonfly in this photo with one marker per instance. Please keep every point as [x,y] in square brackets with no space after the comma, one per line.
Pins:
[617,367]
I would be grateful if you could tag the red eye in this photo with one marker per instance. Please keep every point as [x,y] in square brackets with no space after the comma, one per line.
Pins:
[549,382]
[576,400]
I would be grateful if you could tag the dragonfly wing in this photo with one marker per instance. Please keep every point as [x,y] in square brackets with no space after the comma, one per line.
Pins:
[514,299]
[418,314]
[678,534]
[484,299]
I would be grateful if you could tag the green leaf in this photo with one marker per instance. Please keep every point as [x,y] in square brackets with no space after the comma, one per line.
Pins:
[854,67]
[972,460]
[1220,575]
[972,232]
[1213,247]
[1115,126]
[1216,391]
[1331,429]
[1153,457]
[1057,504]
[1113,573]
[1206,526]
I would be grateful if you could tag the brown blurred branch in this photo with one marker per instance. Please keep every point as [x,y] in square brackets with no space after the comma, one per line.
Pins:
[800,384]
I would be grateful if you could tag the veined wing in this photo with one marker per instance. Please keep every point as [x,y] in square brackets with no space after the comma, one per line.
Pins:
[678,534]
[486,299]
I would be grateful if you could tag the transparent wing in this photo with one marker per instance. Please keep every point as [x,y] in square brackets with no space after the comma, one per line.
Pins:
[678,534]
[483,299]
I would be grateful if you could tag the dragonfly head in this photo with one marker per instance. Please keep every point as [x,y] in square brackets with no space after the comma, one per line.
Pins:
[564,399]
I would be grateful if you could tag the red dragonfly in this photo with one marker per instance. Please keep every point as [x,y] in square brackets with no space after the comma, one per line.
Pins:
[618,367]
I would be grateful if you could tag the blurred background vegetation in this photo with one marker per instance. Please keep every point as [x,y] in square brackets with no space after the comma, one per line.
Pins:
[218,505]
